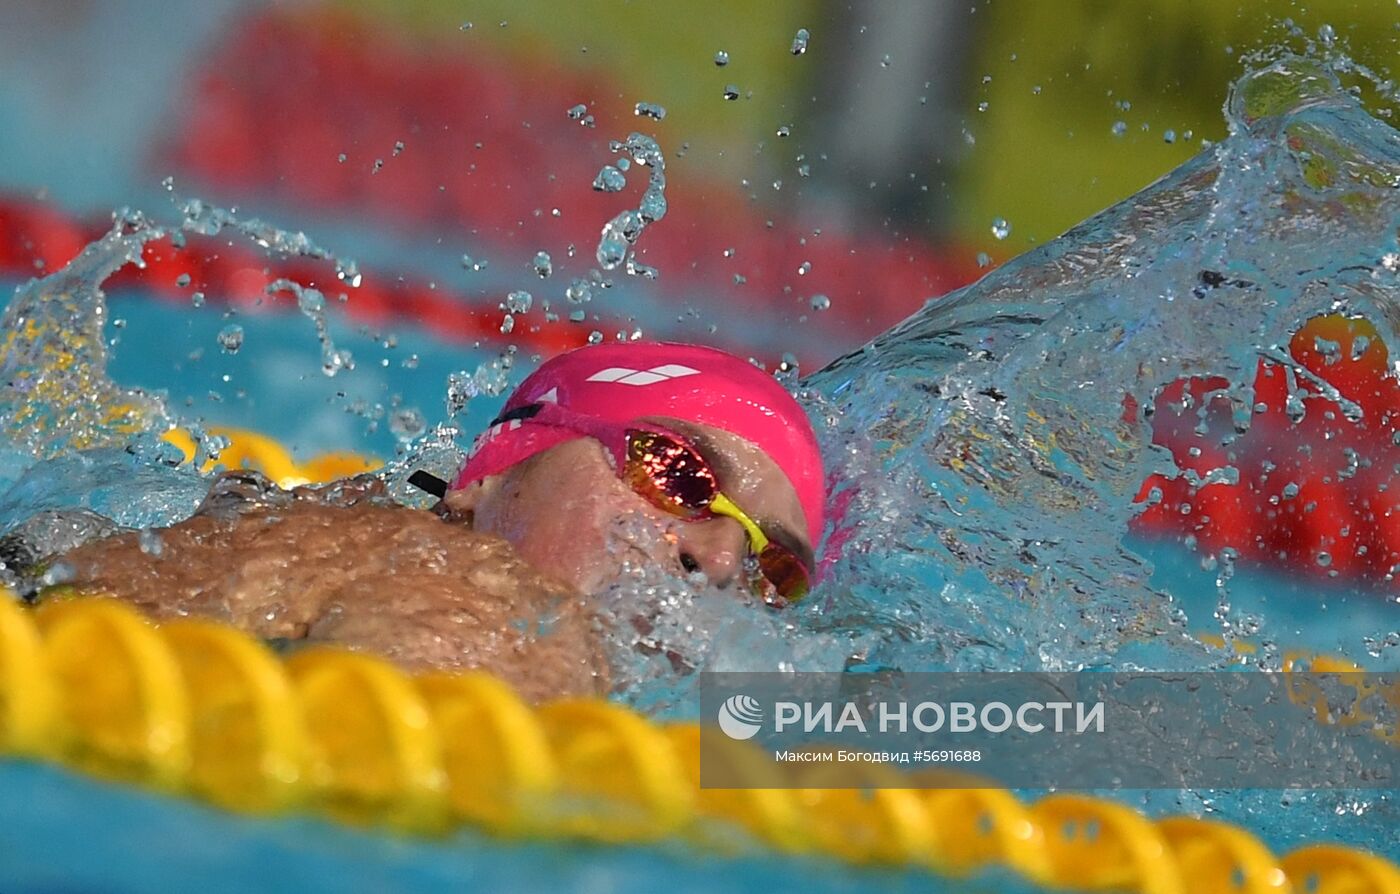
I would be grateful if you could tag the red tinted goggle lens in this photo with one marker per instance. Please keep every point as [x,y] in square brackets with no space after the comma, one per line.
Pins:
[676,479]
[669,474]
[783,573]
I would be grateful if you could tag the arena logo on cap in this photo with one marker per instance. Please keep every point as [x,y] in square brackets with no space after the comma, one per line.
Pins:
[621,375]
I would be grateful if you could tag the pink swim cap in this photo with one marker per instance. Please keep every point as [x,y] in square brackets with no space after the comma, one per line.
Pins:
[624,381]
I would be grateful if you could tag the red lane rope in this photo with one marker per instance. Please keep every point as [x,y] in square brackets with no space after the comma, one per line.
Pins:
[489,155]
[1319,495]
[36,239]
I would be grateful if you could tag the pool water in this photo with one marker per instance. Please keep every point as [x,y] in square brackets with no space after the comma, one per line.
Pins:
[67,833]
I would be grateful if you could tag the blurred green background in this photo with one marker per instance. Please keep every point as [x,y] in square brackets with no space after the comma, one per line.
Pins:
[1039,113]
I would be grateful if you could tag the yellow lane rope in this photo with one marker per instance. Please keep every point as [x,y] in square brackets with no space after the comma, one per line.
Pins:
[200,708]
[251,450]
[197,708]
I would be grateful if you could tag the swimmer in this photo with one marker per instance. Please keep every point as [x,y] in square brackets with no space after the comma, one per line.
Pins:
[498,575]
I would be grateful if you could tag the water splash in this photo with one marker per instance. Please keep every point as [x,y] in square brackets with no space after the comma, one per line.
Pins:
[70,435]
[312,304]
[620,235]
[983,443]
[210,220]
[56,395]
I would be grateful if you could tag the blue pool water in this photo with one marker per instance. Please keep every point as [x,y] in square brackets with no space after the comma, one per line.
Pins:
[64,833]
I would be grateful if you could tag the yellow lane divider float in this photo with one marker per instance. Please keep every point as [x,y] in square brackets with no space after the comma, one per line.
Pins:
[250,450]
[197,708]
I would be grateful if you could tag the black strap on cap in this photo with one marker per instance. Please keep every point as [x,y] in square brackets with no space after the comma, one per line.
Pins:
[432,484]
[428,483]
[528,411]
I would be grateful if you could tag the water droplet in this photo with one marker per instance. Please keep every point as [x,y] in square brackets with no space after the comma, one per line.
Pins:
[577,112]
[507,324]
[1000,228]
[543,265]
[341,158]
[800,41]
[595,337]
[472,264]
[653,204]
[378,163]
[1169,136]
[407,423]
[150,542]
[731,92]
[197,299]
[620,233]
[983,106]
[231,338]
[983,259]
[465,26]
[1327,35]
[310,301]
[609,179]
[519,302]
[182,280]
[1324,559]
[398,147]
[885,61]
[1035,91]
[820,302]
[804,268]
[784,130]
[649,110]
[59,572]
[721,59]
[611,252]
[579,292]
[1120,128]
[635,268]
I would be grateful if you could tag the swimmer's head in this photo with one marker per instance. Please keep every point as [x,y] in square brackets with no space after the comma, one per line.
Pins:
[553,490]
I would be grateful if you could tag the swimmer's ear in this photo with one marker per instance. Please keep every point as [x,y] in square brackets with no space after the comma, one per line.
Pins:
[459,505]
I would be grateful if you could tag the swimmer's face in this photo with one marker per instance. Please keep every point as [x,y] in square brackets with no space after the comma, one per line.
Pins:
[561,507]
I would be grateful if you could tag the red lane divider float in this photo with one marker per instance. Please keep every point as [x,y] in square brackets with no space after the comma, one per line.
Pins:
[1318,494]
[491,160]
[36,239]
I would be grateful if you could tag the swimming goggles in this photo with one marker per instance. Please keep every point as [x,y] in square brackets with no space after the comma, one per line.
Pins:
[664,469]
